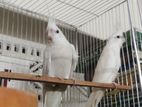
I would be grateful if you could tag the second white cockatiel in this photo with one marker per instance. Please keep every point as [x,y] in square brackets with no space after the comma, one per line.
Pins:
[60,60]
[107,67]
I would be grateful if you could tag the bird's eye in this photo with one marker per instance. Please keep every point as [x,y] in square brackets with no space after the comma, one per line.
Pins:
[118,36]
[57,31]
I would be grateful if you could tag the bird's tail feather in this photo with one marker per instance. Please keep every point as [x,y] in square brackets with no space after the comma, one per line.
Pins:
[95,98]
[53,98]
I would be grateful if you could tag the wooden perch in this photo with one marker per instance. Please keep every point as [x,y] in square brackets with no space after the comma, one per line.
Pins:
[54,80]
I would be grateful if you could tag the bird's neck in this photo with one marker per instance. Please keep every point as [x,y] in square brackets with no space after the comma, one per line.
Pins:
[116,47]
[59,42]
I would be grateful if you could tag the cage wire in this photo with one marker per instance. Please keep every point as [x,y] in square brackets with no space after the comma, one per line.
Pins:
[87,25]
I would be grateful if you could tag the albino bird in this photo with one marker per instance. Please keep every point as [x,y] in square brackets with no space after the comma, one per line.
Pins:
[107,67]
[60,60]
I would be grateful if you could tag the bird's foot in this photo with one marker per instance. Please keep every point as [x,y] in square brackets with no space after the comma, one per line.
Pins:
[71,78]
[74,81]
[115,84]
[60,78]
[38,75]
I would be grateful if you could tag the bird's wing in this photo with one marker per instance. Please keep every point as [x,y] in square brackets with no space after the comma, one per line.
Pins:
[74,60]
[46,61]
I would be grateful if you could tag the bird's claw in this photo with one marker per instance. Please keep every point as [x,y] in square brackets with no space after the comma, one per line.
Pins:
[38,75]
[60,78]
[74,81]
[115,84]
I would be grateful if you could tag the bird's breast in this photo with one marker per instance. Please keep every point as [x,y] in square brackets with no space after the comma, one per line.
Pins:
[61,60]
[61,52]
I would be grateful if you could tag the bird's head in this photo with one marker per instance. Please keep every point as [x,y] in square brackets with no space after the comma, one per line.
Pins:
[117,38]
[53,33]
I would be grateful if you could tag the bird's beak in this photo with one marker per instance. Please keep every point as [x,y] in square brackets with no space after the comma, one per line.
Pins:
[49,37]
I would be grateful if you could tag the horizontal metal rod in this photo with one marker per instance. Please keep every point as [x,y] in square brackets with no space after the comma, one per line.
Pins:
[55,80]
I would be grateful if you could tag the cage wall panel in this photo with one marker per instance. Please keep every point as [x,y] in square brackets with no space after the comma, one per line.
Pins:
[21,26]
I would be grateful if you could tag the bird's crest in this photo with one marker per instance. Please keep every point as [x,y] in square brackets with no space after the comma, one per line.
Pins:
[51,22]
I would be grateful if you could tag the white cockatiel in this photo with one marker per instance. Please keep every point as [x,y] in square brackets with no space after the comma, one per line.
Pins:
[60,60]
[107,67]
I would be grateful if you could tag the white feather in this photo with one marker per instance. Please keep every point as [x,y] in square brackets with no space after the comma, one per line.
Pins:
[60,60]
[107,67]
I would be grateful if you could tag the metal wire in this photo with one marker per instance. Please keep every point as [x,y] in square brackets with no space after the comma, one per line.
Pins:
[61,8]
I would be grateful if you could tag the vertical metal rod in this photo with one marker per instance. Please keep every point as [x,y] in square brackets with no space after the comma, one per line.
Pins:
[118,18]
[106,31]
[3,19]
[35,30]
[100,42]
[17,26]
[8,19]
[76,41]
[134,41]
[26,27]
[140,10]
[70,33]
[109,25]
[39,31]
[136,55]
[31,32]
[67,99]
[42,34]
[124,61]
[22,26]
[69,89]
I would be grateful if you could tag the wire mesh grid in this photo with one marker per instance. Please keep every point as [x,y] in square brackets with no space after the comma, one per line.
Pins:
[93,21]
[80,11]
